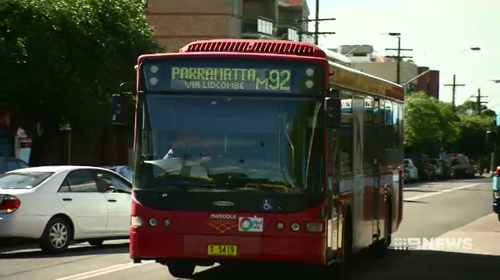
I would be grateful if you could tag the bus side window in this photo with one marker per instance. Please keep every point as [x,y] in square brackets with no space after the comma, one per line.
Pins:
[346,134]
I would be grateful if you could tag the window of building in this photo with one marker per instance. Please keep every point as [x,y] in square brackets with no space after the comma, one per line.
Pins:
[265,26]
[293,35]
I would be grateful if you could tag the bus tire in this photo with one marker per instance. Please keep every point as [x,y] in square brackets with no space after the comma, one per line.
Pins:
[181,269]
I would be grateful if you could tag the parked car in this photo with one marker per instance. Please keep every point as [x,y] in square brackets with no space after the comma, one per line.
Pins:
[123,170]
[445,166]
[10,163]
[56,205]
[461,166]
[411,172]
[425,169]
[438,168]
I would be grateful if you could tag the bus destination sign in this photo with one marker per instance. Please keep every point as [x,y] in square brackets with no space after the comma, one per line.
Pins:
[244,79]
[235,75]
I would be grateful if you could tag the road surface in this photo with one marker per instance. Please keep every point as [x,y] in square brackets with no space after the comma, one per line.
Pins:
[440,209]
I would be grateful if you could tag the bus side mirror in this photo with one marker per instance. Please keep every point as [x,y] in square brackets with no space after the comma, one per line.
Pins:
[119,109]
[490,138]
[333,112]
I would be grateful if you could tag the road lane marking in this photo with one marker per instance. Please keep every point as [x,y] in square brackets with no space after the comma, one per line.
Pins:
[418,197]
[103,271]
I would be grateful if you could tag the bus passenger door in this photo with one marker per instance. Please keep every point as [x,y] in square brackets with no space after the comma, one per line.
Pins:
[333,211]
[377,118]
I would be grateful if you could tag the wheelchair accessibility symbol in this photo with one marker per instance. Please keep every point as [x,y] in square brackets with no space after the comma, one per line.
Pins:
[268,205]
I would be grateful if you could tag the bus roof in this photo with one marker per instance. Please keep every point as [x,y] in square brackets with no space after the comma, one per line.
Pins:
[265,46]
[350,78]
[336,57]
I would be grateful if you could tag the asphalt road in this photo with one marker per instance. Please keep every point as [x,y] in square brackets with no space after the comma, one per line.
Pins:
[430,210]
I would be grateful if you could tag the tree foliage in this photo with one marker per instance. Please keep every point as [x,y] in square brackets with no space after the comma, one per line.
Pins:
[64,59]
[429,124]
[432,126]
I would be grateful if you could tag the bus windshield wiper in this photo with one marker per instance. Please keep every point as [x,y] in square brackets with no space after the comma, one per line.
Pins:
[270,185]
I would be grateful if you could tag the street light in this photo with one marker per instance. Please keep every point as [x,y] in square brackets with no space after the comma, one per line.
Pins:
[474,49]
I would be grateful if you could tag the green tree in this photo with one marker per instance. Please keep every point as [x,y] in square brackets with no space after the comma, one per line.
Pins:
[64,59]
[430,125]
[471,108]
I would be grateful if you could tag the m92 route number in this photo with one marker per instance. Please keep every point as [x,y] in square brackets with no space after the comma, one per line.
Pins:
[277,80]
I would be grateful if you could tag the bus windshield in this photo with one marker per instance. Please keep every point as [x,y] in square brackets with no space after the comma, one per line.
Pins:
[231,144]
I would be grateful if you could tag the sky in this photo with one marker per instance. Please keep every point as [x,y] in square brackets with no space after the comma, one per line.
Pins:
[438,31]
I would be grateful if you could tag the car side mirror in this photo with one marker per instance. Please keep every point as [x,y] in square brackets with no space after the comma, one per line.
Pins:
[333,113]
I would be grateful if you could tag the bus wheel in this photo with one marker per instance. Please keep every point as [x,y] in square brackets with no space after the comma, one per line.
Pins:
[181,269]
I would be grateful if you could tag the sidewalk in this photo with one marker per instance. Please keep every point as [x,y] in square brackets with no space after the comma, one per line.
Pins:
[485,235]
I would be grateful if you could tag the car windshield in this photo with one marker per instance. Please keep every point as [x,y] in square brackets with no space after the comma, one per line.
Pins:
[233,144]
[23,180]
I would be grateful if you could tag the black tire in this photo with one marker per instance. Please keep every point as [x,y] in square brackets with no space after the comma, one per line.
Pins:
[56,236]
[96,242]
[181,270]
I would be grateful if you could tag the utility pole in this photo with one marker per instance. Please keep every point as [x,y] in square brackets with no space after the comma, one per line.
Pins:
[398,57]
[316,25]
[316,33]
[454,86]
[479,102]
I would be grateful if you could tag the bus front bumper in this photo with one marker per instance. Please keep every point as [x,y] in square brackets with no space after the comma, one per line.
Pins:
[168,247]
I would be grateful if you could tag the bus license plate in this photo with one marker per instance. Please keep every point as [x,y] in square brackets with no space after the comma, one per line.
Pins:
[222,250]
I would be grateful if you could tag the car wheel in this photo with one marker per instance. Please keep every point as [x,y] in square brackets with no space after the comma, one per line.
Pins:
[56,237]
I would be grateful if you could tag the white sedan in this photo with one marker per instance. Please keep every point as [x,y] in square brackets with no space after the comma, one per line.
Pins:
[56,205]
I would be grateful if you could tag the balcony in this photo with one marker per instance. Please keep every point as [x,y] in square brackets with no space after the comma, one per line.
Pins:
[257,28]
[290,33]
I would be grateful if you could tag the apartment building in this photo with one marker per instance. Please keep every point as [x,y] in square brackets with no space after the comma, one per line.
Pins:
[178,22]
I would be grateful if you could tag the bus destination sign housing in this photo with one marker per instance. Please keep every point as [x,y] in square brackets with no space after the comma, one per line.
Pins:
[238,75]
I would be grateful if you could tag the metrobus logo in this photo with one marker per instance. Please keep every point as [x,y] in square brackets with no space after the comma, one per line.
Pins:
[222,217]
[434,244]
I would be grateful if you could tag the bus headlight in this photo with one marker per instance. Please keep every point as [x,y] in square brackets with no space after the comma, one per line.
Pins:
[280,226]
[295,226]
[166,222]
[153,222]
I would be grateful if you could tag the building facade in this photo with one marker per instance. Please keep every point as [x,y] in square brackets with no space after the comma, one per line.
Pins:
[178,22]
[429,82]
[364,59]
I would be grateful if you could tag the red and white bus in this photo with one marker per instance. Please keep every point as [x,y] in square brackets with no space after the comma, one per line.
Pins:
[262,151]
